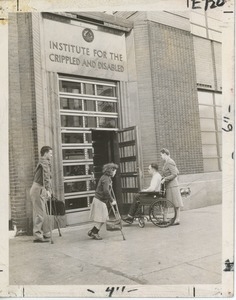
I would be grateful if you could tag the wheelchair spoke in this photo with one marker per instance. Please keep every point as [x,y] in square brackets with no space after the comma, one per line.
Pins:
[162,213]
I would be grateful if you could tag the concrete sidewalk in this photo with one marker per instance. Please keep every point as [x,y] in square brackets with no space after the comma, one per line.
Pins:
[186,254]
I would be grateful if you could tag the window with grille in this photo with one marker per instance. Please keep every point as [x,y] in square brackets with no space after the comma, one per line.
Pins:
[211,132]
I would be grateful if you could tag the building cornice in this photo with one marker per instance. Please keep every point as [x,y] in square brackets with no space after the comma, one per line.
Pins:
[97,18]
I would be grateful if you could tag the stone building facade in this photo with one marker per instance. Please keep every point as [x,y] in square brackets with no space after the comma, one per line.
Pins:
[99,88]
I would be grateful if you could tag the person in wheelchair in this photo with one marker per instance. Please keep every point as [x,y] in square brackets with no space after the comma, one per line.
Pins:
[145,194]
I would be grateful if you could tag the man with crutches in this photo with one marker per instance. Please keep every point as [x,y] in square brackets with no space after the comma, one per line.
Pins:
[40,192]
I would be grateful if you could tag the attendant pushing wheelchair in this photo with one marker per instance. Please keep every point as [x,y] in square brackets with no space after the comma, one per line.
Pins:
[163,197]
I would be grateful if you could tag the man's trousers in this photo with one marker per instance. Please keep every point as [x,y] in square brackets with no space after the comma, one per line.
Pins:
[41,225]
[140,198]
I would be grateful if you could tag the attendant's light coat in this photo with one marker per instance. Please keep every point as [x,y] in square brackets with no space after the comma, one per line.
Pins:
[170,173]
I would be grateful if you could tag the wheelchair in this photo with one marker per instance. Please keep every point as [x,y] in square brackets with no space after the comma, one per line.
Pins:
[157,209]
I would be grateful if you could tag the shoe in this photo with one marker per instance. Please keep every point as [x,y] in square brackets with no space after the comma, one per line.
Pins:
[46,237]
[90,233]
[40,241]
[128,220]
[96,236]
[177,223]
[164,222]
[93,235]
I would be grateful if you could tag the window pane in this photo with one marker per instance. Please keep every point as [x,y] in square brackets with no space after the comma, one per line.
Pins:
[107,123]
[74,170]
[210,164]
[74,154]
[72,138]
[205,98]
[218,99]
[74,187]
[218,112]
[89,105]
[90,169]
[208,138]
[76,203]
[71,121]
[206,111]
[90,122]
[107,106]
[73,104]
[70,87]
[78,186]
[106,91]
[220,138]
[220,125]
[88,138]
[89,89]
[209,150]
[220,150]
[90,200]
[207,124]
[76,138]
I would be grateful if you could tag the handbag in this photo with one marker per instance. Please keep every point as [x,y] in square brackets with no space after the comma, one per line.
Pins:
[57,207]
[113,225]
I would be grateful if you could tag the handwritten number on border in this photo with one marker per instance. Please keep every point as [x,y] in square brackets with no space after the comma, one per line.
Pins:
[196,4]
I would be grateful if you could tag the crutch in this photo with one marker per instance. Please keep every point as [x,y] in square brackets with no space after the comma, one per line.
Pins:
[49,214]
[58,226]
[116,212]
[117,215]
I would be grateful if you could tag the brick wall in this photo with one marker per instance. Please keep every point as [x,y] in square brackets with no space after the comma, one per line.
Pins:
[175,101]
[34,115]
[167,96]
[145,93]
[21,110]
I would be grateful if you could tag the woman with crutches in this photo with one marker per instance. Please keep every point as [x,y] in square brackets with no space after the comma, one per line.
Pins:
[103,193]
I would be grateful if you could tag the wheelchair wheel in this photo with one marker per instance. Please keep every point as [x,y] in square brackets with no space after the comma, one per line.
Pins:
[141,222]
[162,212]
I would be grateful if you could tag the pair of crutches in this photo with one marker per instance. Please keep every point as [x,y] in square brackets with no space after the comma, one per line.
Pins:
[50,213]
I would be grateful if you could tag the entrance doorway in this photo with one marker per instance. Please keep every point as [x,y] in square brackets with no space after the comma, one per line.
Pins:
[121,148]
[85,105]
[90,138]
[105,150]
